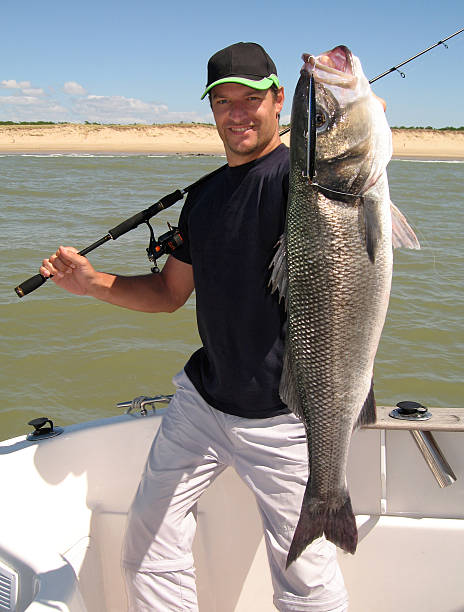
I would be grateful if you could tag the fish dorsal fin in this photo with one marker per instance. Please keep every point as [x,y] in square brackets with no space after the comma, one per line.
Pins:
[402,233]
[279,282]
[279,276]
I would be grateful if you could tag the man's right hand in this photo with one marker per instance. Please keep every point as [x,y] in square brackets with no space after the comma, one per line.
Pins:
[69,270]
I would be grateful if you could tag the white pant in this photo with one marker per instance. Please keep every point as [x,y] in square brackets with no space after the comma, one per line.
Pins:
[194,444]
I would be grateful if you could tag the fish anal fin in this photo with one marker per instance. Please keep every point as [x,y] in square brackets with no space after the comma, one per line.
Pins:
[368,414]
[402,233]
[336,521]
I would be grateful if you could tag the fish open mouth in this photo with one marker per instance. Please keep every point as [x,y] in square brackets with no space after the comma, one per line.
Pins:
[335,67]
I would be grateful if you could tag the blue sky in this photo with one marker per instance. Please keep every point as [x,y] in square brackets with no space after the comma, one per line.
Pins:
[144,61]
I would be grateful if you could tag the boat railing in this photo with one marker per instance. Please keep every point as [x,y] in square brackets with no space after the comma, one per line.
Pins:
[421,422]
[140,403]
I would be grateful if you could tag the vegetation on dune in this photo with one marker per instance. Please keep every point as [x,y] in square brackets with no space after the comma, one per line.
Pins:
[195,123]
[449,128]
[413,127]
[180,124]
[31,123]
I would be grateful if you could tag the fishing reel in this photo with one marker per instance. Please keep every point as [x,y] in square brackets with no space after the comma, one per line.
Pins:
[166,244]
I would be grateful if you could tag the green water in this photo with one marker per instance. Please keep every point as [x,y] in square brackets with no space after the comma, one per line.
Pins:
[73,359]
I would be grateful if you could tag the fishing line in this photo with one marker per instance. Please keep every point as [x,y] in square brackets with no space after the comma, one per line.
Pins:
[427,248]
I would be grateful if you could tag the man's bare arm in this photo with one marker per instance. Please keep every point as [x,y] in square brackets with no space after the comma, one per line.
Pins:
[163,292]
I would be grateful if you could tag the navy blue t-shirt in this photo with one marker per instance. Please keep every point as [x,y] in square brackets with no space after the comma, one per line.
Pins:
[230,225]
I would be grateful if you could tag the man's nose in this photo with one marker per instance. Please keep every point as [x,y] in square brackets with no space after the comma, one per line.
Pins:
[237,111]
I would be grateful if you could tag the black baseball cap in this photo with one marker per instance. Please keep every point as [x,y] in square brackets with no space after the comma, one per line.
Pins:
[245,63]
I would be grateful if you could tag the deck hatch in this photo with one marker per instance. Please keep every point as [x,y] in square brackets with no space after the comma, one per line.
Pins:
[8,588]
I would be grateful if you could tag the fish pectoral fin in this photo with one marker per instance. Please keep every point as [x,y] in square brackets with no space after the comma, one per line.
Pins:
[368,414]
[279,276]
[372,224]
[402,233]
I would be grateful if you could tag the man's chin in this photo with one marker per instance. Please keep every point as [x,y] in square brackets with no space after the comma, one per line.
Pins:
[245,147]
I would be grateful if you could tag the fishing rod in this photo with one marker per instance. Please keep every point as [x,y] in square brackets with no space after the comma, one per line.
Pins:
[166,243]
[440,42]
[393,68]
[158,248]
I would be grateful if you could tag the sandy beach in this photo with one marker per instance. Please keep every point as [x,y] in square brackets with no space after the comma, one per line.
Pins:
[190,139]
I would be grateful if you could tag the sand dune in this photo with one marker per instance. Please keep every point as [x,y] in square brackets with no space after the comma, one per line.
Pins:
[189,138]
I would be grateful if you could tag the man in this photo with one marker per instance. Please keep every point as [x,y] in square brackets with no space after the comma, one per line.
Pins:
[227,409]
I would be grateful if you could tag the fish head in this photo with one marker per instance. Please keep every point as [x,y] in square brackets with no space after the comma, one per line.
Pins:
[353,139]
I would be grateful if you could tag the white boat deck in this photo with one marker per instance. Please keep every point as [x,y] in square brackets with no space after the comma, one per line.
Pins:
[65,500]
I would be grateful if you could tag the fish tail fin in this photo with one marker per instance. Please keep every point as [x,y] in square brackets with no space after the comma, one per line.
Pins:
[341,529]
[336,522]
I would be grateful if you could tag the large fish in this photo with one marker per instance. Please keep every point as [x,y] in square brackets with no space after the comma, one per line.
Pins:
[334,267]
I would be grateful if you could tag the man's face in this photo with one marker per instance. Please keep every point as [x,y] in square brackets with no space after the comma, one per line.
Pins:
[246,120]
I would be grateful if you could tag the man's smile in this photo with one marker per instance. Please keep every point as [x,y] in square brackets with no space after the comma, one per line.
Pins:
[240,130]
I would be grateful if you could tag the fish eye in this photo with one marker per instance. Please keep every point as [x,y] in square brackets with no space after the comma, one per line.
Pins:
[320,119]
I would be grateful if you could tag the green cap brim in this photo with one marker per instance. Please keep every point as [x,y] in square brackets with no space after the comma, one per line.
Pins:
[265,83]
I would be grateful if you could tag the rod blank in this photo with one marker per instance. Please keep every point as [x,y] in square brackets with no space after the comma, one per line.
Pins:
[440,42]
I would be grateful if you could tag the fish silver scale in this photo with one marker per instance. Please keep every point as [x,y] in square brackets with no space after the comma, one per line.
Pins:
[325,251]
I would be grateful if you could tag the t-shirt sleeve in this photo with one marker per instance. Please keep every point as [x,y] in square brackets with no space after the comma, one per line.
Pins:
[182,253]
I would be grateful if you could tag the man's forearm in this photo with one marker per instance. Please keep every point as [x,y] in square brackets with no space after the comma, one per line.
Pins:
[147,293]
